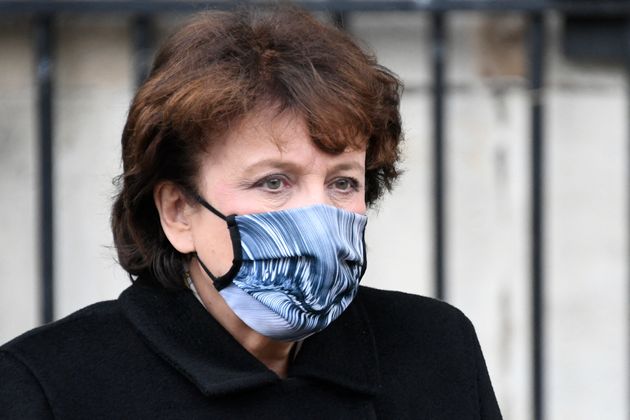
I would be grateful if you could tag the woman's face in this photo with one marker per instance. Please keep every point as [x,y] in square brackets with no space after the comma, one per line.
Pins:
[269,163]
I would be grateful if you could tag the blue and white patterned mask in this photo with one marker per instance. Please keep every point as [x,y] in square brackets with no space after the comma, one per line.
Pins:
[294,271]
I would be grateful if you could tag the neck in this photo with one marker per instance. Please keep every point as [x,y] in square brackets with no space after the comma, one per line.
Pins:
[272,353]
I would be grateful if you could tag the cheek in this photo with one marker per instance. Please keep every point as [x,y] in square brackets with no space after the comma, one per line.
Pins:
[360,207]
[212,243]
[356,204]
[360,204]
[233,200]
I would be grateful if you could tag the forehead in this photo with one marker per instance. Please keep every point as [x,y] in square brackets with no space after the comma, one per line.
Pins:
[269,133]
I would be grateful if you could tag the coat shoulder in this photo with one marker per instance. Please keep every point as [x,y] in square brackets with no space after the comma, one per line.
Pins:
[430,358]
[418,329]
[46,362]
[399,309]
[69,336]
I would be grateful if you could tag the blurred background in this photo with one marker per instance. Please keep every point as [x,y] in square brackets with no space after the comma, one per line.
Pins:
[513,207]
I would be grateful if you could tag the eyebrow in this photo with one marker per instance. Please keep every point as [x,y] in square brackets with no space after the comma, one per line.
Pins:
[347,166]
[269,163]
[279,164]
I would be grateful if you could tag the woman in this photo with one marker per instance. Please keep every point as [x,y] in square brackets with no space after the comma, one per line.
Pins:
[250,156]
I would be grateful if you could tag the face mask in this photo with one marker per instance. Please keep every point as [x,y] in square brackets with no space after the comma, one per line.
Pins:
[294,271]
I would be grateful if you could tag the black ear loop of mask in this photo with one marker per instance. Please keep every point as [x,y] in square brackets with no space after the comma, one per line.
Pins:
[364,257]
[223,281]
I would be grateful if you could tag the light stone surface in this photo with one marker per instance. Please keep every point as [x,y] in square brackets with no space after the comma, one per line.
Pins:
[94,75]
[488,162]
[19,291]
[587,239]
[587,263]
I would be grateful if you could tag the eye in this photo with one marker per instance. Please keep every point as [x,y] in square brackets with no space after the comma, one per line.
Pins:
[273,183]
[345,184]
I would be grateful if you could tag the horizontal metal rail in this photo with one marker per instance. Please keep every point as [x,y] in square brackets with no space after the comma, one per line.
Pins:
[607,7]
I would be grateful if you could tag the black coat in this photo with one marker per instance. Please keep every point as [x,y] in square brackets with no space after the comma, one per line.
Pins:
[155,354]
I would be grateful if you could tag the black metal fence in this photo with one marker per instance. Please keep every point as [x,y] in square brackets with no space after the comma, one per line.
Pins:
[43,14]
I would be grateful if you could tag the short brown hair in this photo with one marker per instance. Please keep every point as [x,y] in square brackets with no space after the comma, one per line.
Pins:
[214,71]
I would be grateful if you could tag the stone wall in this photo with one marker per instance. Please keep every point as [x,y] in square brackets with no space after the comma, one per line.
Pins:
[488,192]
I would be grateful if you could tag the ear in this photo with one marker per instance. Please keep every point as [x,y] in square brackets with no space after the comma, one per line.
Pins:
[175,215]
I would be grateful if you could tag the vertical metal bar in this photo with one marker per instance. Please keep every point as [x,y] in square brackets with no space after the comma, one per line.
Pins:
[439,164]
[627,70]
[143,42]
[536,80]
[340,19]
[45,65]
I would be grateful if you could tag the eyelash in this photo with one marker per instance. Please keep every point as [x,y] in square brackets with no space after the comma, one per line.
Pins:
[353,183]
[261,182]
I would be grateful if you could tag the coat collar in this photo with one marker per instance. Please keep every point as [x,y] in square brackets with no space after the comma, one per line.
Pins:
[177,327]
